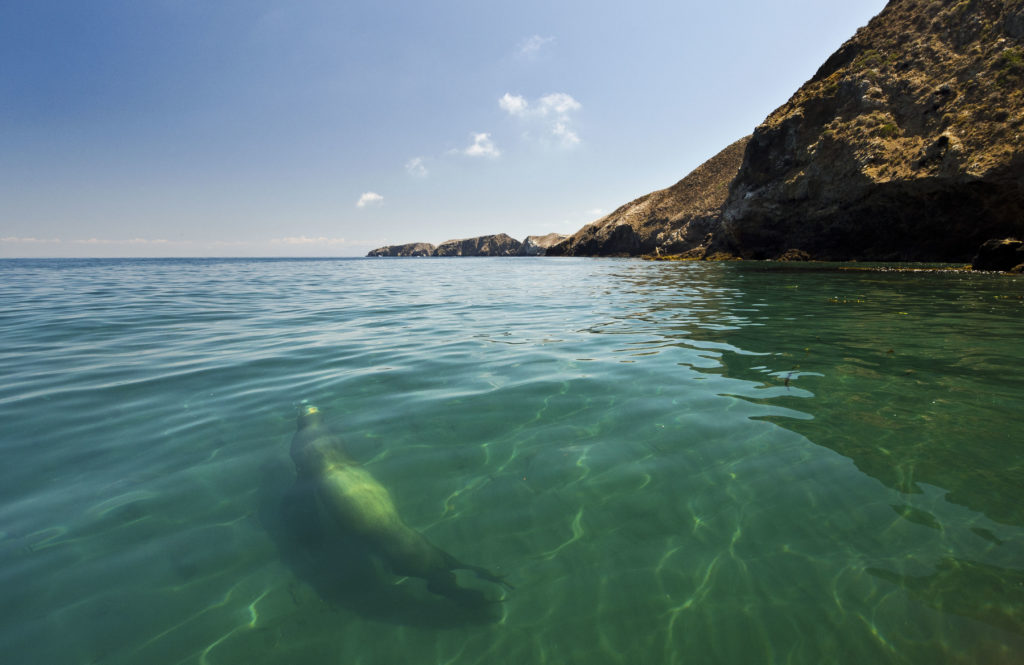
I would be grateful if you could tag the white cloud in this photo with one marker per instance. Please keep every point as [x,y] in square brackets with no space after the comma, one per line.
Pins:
[557,103]
[369,198]
[482,146]
[530,47]
[551,113]
[416,168]
[514,104]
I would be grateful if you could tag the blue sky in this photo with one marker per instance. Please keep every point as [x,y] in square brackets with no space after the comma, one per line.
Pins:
[267,128]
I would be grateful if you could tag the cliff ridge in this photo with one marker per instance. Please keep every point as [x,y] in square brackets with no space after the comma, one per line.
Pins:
[907,144]
[499,244]
[676,220]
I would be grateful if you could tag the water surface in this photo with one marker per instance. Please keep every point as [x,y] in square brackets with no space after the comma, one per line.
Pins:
[672,463]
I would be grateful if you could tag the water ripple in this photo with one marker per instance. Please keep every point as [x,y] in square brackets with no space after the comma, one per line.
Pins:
[671,462]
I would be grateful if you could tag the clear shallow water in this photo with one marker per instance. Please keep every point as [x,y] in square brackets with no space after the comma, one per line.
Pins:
[672,463]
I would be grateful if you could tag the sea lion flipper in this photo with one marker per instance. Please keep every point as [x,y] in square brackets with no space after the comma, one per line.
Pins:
[444,584]
[485,574]
[479,571]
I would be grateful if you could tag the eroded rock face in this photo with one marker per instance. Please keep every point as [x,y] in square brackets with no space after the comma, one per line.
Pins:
[675,220]
[495,245]
[539,245]
[907,144]
[409,249]
[999,254]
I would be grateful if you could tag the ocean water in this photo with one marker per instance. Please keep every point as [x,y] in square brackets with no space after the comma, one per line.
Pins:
[671,463]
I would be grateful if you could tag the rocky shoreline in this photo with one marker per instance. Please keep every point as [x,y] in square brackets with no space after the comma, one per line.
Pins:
[907,145]
[493,245]
[678,220]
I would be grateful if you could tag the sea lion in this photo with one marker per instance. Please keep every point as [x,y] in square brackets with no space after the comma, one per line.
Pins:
[359,505]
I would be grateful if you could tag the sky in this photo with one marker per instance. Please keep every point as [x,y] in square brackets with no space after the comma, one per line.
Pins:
[316,128]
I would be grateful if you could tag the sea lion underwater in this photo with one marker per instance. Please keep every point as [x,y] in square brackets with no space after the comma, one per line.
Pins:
[360,506]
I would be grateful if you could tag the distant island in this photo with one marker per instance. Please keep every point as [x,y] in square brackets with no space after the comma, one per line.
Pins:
[907,144]
[492,245]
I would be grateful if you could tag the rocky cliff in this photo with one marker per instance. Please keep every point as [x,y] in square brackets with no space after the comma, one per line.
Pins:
[675,220]
[539,245]
[907,144]
[493,245]
[410,249]
[496,245]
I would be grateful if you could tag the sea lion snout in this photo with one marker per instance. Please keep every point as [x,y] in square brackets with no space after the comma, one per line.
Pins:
[309,415]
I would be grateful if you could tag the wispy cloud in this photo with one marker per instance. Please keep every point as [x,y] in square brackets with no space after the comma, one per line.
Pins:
[482,146]
[369,198]
[309,240]
[99,246]
[553,114]
[557,103]
[127,241]
[227,243]
[530,48]
[416,168]
[29,241]
[566,136]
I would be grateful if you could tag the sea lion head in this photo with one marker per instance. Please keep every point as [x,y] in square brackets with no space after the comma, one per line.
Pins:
[309,415]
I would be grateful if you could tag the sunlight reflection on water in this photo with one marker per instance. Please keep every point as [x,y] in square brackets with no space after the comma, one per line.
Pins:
[671,462]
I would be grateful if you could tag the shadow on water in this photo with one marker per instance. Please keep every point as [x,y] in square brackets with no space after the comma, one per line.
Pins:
[342,572]
[914,377]
[979,591]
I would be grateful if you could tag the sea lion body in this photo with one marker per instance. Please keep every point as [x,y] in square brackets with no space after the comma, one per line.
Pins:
[360,506]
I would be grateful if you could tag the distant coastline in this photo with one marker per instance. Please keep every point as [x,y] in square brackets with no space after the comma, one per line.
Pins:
[907,145]
[499,244]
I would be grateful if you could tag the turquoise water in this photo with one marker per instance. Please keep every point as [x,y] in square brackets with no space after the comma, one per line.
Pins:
[672,463]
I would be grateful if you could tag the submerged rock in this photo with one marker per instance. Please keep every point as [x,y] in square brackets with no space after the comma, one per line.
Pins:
[793,255]
[907,144]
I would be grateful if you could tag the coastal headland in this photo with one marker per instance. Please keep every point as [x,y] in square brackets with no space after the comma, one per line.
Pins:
[492,245]
[907,144]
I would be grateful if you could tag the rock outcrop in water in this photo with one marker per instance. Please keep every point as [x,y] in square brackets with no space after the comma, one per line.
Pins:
[1004,255]
[676,220]
[907,144]
[492,245]
[410,249]
[496,245]
[539,245]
